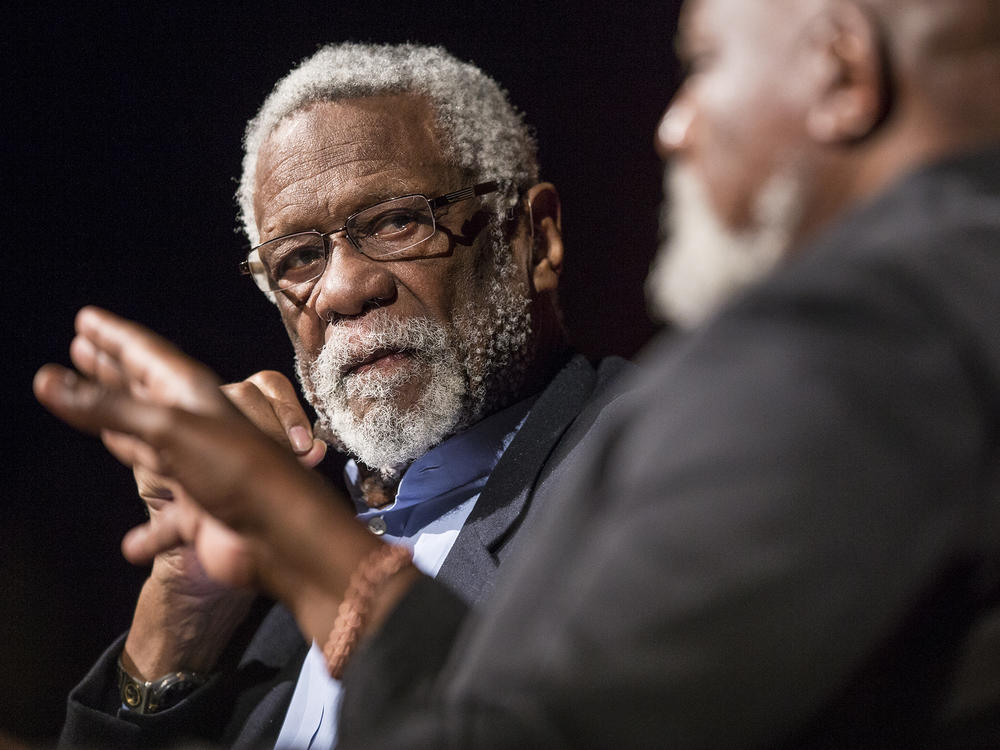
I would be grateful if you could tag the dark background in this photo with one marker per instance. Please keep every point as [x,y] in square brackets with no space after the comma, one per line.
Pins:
[122,127]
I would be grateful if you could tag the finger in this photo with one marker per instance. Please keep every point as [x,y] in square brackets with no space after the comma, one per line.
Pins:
[216,460]
[315,454]
[224,554]
[177,522]
[95,363]
[259,408]
[141,544]
[153,488]
[247,397]
[284,401]
[92,407]
[150,361]
[132,452]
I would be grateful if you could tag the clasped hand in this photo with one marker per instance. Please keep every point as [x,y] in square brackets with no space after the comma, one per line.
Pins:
[252,513]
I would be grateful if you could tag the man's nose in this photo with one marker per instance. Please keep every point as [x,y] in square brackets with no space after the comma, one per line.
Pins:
[673,132]
[351,282]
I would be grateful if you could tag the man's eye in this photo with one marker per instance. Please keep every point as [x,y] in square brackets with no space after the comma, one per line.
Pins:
[392,224]
[295,259]
[305,256]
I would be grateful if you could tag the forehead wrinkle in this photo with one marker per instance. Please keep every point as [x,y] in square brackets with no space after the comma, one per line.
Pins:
[297,165]
[321,180]
[315,168]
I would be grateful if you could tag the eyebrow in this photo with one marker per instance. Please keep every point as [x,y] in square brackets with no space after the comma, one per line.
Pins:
[362,201]
[399,187]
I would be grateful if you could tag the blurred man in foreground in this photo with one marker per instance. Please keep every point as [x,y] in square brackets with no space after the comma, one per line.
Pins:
[790,535]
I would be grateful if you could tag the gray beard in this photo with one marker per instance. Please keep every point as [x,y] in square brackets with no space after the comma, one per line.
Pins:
[386,434]
[701,264]
[477,367]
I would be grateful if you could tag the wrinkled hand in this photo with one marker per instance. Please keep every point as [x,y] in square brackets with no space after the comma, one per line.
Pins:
[161,412]
[269,401]
[184,619]
[269,522]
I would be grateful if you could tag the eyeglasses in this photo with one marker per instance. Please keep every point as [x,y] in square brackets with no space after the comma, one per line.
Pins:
[396,229]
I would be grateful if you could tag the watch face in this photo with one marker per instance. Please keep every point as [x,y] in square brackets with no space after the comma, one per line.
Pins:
[131,695]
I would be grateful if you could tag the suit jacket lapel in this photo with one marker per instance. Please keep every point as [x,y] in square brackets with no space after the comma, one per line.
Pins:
[471,564]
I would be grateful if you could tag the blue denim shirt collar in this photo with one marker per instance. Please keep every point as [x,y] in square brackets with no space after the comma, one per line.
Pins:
[446,475]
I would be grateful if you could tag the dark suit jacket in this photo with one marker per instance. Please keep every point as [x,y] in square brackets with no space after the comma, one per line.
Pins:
[244,705]
[789,535]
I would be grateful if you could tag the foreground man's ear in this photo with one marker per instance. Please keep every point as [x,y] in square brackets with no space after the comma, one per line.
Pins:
[545,215]
[853,96]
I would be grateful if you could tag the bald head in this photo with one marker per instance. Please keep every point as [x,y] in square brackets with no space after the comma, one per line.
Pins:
[942,59]
[933,27]
[827,101]
[939,60]
[861,89]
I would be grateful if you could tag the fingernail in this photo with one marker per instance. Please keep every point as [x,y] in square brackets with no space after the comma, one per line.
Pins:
[300,439]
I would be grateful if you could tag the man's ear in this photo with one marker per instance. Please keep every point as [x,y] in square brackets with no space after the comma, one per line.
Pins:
[853,95]
[545,217]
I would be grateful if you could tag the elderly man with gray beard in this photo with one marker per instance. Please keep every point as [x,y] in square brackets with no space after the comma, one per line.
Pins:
[392,200]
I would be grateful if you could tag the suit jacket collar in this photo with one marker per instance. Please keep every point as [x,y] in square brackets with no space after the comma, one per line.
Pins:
[471,565]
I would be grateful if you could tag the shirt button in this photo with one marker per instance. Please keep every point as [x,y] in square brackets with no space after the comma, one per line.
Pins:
[376,525]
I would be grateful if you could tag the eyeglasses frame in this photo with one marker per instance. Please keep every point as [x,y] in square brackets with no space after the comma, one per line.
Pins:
[457,196]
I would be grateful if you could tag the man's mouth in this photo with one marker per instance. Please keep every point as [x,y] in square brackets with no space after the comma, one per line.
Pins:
[379,360]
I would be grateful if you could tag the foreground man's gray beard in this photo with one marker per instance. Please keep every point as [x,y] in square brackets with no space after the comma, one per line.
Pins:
[474,369]
[701,264]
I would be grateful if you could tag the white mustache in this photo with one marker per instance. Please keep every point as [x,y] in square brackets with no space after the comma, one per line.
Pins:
[351,346]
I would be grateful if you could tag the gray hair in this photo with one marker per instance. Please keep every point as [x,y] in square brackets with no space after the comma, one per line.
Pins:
[481,132]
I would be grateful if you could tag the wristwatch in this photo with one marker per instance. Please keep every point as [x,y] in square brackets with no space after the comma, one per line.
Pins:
[149,697]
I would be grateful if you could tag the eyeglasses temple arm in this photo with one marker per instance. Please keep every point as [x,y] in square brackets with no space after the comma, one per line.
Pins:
[483,188]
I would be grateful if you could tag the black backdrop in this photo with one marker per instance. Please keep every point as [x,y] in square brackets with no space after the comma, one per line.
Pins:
[122,126]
